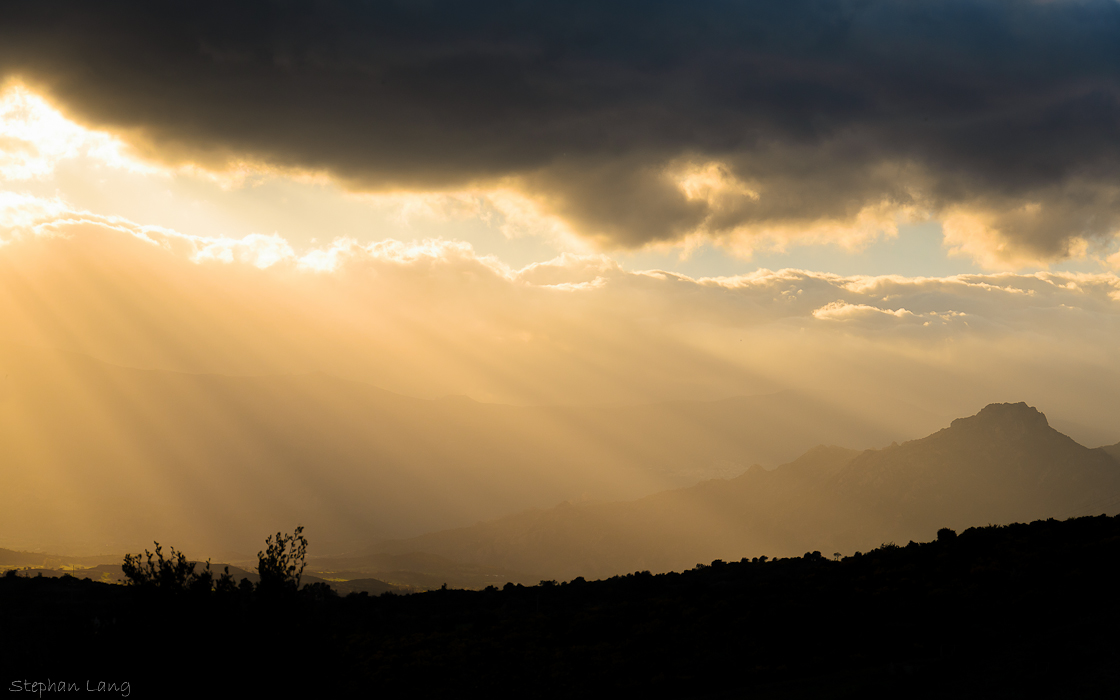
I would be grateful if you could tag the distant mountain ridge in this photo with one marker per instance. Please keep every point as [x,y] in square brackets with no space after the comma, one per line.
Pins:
[1004,464]
[1111,450]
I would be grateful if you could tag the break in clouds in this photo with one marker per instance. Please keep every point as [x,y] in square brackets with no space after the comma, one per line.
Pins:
[635,123]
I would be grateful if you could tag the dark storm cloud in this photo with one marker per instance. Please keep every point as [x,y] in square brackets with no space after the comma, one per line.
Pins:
[1005,110]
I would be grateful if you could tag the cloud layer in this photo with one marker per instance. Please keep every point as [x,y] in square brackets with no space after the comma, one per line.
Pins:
[431,318]
[634,122]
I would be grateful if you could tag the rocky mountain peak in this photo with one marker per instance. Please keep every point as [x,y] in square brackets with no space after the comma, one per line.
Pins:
[1004,415]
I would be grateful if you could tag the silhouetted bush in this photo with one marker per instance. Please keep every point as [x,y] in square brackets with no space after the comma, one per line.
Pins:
[175,573]
[281,564]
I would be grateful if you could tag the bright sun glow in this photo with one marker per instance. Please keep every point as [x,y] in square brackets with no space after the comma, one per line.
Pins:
[34,137]
[219,211]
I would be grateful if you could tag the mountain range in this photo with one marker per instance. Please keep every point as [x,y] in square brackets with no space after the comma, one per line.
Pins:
[1004,464]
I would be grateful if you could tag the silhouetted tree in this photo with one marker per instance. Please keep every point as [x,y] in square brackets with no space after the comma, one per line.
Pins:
[281,564]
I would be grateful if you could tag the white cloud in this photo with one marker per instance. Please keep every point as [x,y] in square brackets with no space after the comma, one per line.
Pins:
[840,311]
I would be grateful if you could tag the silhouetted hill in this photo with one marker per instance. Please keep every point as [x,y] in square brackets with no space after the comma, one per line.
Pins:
[1003,464]
[105,458]
[994,612]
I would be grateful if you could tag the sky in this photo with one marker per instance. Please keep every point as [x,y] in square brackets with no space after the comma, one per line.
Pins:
[574,202]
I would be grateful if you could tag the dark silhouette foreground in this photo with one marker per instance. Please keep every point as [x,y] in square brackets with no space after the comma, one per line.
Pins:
[991,612]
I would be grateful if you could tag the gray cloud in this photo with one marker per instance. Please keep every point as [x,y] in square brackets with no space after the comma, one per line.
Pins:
[1005,111]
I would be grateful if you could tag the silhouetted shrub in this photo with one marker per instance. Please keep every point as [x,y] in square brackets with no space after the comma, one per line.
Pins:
[281,564]
[175,573]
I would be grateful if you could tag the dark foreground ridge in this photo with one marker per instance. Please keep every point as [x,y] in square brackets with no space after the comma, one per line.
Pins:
[993,612]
